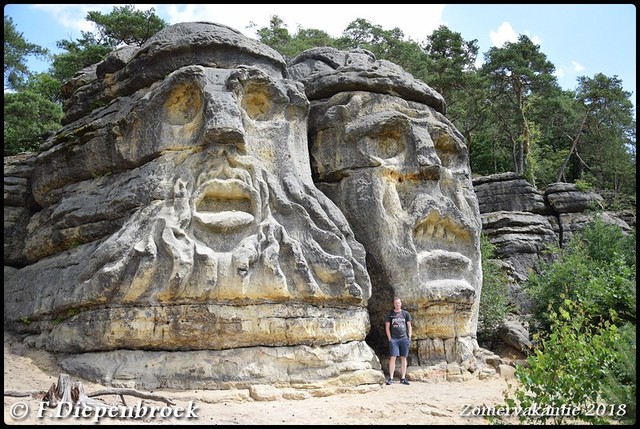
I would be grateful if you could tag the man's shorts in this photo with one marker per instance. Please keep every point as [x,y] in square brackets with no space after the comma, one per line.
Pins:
[399,347]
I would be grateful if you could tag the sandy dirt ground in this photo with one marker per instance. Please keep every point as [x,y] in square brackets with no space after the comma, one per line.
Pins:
[32,372]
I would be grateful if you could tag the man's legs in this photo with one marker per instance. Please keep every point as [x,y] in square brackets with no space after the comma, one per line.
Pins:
[392,366]
[403,366]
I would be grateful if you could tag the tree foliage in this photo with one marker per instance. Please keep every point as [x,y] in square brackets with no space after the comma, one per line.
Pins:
[575,366]
[511,111]
[584,331]
[31,115]
[123,26]
[597,269]
[515,72]
[385,44]
[16,52]
[277,36]
[126,25]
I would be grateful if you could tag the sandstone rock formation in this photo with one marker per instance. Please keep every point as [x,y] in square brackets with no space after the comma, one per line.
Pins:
[170,234]
[383,151]
[521,222]
[210,217]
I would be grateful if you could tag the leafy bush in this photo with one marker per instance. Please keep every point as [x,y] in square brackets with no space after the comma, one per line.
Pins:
[576,366]
[582,358]
[584,185]
[597,269]
[620,384]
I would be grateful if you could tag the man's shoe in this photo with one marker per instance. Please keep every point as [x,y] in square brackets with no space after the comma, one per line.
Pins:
[404,381]
[390,381]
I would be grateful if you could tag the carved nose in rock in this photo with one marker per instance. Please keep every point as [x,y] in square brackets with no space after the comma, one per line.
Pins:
[425,149]
[223,123]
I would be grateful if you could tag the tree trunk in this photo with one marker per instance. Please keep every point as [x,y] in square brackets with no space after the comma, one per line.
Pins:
[573,146]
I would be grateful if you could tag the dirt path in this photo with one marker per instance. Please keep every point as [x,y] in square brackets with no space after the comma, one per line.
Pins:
[420,403]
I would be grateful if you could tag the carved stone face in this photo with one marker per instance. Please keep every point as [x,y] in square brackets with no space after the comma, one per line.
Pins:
[399,171]
[177,219]
[226,220]
[240,222]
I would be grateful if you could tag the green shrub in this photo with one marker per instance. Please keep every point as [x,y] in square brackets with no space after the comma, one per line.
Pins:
[575,366]
[620,384]
[596,269]
[583,185]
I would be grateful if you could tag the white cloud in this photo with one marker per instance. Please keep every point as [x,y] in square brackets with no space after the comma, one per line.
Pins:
[577,67]
[415,21]
[72,16]
[535,39]
[504,34]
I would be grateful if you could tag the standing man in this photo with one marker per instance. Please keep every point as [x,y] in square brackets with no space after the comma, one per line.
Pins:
[398,328]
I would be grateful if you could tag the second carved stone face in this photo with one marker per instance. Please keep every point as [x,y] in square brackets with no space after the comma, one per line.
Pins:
[400,172]
[383,151]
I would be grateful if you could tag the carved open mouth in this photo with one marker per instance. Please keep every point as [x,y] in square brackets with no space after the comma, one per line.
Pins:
[445,250]
[440,231]
[224,205]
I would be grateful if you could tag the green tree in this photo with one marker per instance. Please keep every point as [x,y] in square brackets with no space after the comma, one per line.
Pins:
[604,145]
[452,72]
[277,36]
[555,118]
[389,45]
[515,71]
[78,54]
[124,25]
[16,52]
[450,59]
[31,114]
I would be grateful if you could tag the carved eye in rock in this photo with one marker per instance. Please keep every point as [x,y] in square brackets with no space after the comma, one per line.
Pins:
[183,104]
[386,140]
[450,150]
[257,101]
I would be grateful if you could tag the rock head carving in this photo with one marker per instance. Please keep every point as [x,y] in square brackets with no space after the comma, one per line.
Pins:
[209,217]
[179,239]
[383,151]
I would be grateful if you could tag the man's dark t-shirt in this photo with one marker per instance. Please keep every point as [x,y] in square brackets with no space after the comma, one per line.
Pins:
[398,323]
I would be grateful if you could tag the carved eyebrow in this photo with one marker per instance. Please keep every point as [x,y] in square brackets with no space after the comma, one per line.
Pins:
[376,122]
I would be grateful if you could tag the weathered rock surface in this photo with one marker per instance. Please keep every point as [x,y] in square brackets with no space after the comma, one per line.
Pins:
[176,221]
[522,221]
[383,151]
[508,192]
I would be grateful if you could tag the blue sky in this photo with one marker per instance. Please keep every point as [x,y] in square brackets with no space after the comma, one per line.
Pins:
[579,39]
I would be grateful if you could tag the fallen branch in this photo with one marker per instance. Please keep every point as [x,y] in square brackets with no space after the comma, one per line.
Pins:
[66,393]
[132,392]
[21,394]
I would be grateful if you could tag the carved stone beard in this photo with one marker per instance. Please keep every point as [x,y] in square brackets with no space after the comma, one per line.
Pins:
[235,233]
